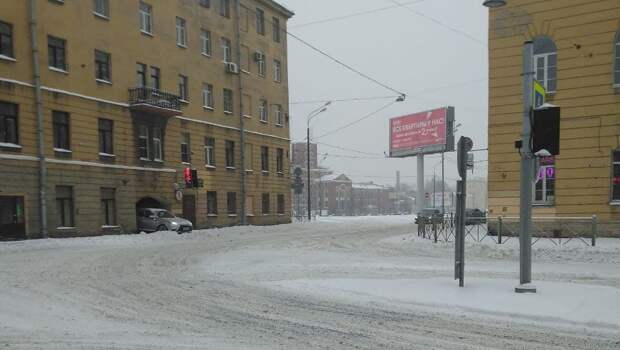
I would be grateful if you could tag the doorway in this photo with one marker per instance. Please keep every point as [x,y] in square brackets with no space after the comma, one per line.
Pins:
[189,208]
[12,218]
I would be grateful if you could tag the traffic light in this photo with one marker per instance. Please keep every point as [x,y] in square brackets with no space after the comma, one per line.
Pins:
[546,130]
[191,178]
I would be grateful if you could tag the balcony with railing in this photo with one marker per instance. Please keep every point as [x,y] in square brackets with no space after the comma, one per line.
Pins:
[148,100]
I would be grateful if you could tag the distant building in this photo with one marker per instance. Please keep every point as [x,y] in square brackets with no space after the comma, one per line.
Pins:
[337,195]
[299,160]
[372,199]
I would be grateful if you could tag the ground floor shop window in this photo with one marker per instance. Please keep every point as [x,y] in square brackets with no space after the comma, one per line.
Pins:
[64,206]
[211,203]
[615,191]
[108,206]
[281,204]
[544,189]
[266,204]
[232,203]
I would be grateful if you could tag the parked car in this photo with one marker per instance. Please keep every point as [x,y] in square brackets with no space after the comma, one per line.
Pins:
[429,214]
[475,217]
[153,220]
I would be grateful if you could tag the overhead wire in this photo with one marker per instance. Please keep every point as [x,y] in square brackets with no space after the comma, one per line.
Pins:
[357,121]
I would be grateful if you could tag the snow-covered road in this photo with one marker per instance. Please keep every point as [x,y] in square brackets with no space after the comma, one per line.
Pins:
[341,283]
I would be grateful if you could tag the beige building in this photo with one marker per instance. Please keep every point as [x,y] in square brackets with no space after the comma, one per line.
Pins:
[577,59]
[132,94]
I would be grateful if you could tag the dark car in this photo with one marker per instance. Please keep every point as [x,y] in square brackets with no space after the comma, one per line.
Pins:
[475,217]
[428,214]
[153,220]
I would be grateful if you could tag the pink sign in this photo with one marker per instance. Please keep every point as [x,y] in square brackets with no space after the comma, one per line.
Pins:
[418,131]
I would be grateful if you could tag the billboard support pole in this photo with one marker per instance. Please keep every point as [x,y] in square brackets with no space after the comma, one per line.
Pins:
[527,163]
[420,197]
[443,185]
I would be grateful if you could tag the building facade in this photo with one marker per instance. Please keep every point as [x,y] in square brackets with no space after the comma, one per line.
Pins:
[337,195]
[105,105]
[577,59]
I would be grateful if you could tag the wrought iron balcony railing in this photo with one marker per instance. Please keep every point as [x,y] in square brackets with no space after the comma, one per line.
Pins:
[154,101]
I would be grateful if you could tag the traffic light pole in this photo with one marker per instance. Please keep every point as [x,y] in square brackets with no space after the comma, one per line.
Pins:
[527,173]
[308,171]
[420,196]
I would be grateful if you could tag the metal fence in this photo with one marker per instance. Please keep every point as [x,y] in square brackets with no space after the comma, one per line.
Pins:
[559,231]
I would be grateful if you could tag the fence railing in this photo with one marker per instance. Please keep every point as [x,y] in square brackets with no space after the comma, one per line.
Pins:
[155,98]
[558,230]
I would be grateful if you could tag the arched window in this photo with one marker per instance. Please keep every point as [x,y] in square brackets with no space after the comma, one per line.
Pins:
[617,61]
[546,63]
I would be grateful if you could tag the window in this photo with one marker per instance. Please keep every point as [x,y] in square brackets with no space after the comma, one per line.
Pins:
[61,130]
[146,18]
[228,101]
[615,192]
[183,93]
[157,144]
[544,189]
[144,150]
[102,66]
[275,25]
[226,50]
[108,206]
[205,39]
[106,136]
[231,200]
[280,161]
[64,206]
[181,32]
[265,204]
[6,39]
[262,111]
[230,154]
[141,75]
[155,78]
[545,63]
[260,21]
[249,157]
[207,96]
[8,123]
[244,19]
[211,203]
[247,105]
[261,64]
[56,54]
[101,7]
[264,159]
[617,61]
[277,71]
[205,3]
[249,206]
[185,148]
[280,204]
[225,8]
[279,115]
[245,59]
[209,151]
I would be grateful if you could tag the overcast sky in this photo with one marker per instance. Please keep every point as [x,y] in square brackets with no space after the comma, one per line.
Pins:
[436,66]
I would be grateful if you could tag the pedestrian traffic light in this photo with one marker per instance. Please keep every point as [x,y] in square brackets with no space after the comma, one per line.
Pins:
[546,130]
[191,178]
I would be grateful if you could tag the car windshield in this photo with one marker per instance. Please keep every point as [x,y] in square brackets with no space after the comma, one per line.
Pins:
[164,214]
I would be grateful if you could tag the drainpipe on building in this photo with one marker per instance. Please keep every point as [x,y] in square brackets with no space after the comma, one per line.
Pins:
[241,118]
[39,110]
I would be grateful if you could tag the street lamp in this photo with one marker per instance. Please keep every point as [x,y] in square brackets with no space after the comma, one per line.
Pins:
[494,3]
[311,116]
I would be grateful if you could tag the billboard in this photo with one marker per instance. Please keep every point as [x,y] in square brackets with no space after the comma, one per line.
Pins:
[422,133]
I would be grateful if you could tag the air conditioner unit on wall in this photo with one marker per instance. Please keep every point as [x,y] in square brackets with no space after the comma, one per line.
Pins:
[232,68]
[258,56]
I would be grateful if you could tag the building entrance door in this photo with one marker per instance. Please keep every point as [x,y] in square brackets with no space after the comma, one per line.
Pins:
[189,208]
[12,222]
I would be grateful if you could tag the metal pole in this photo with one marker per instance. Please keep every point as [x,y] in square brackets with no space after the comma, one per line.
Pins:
[594,229]
[244,218]
[527,163]
[308,171]
[434,191]
[420,196]
[443,185]
[499,231]
[40,120]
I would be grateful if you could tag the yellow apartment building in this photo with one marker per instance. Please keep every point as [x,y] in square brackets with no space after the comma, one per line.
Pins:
[577,59]
[105,105]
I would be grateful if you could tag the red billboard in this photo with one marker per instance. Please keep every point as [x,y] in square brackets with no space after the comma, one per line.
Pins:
[422,133]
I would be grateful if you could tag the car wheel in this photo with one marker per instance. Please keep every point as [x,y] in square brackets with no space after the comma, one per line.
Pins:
[162,228]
